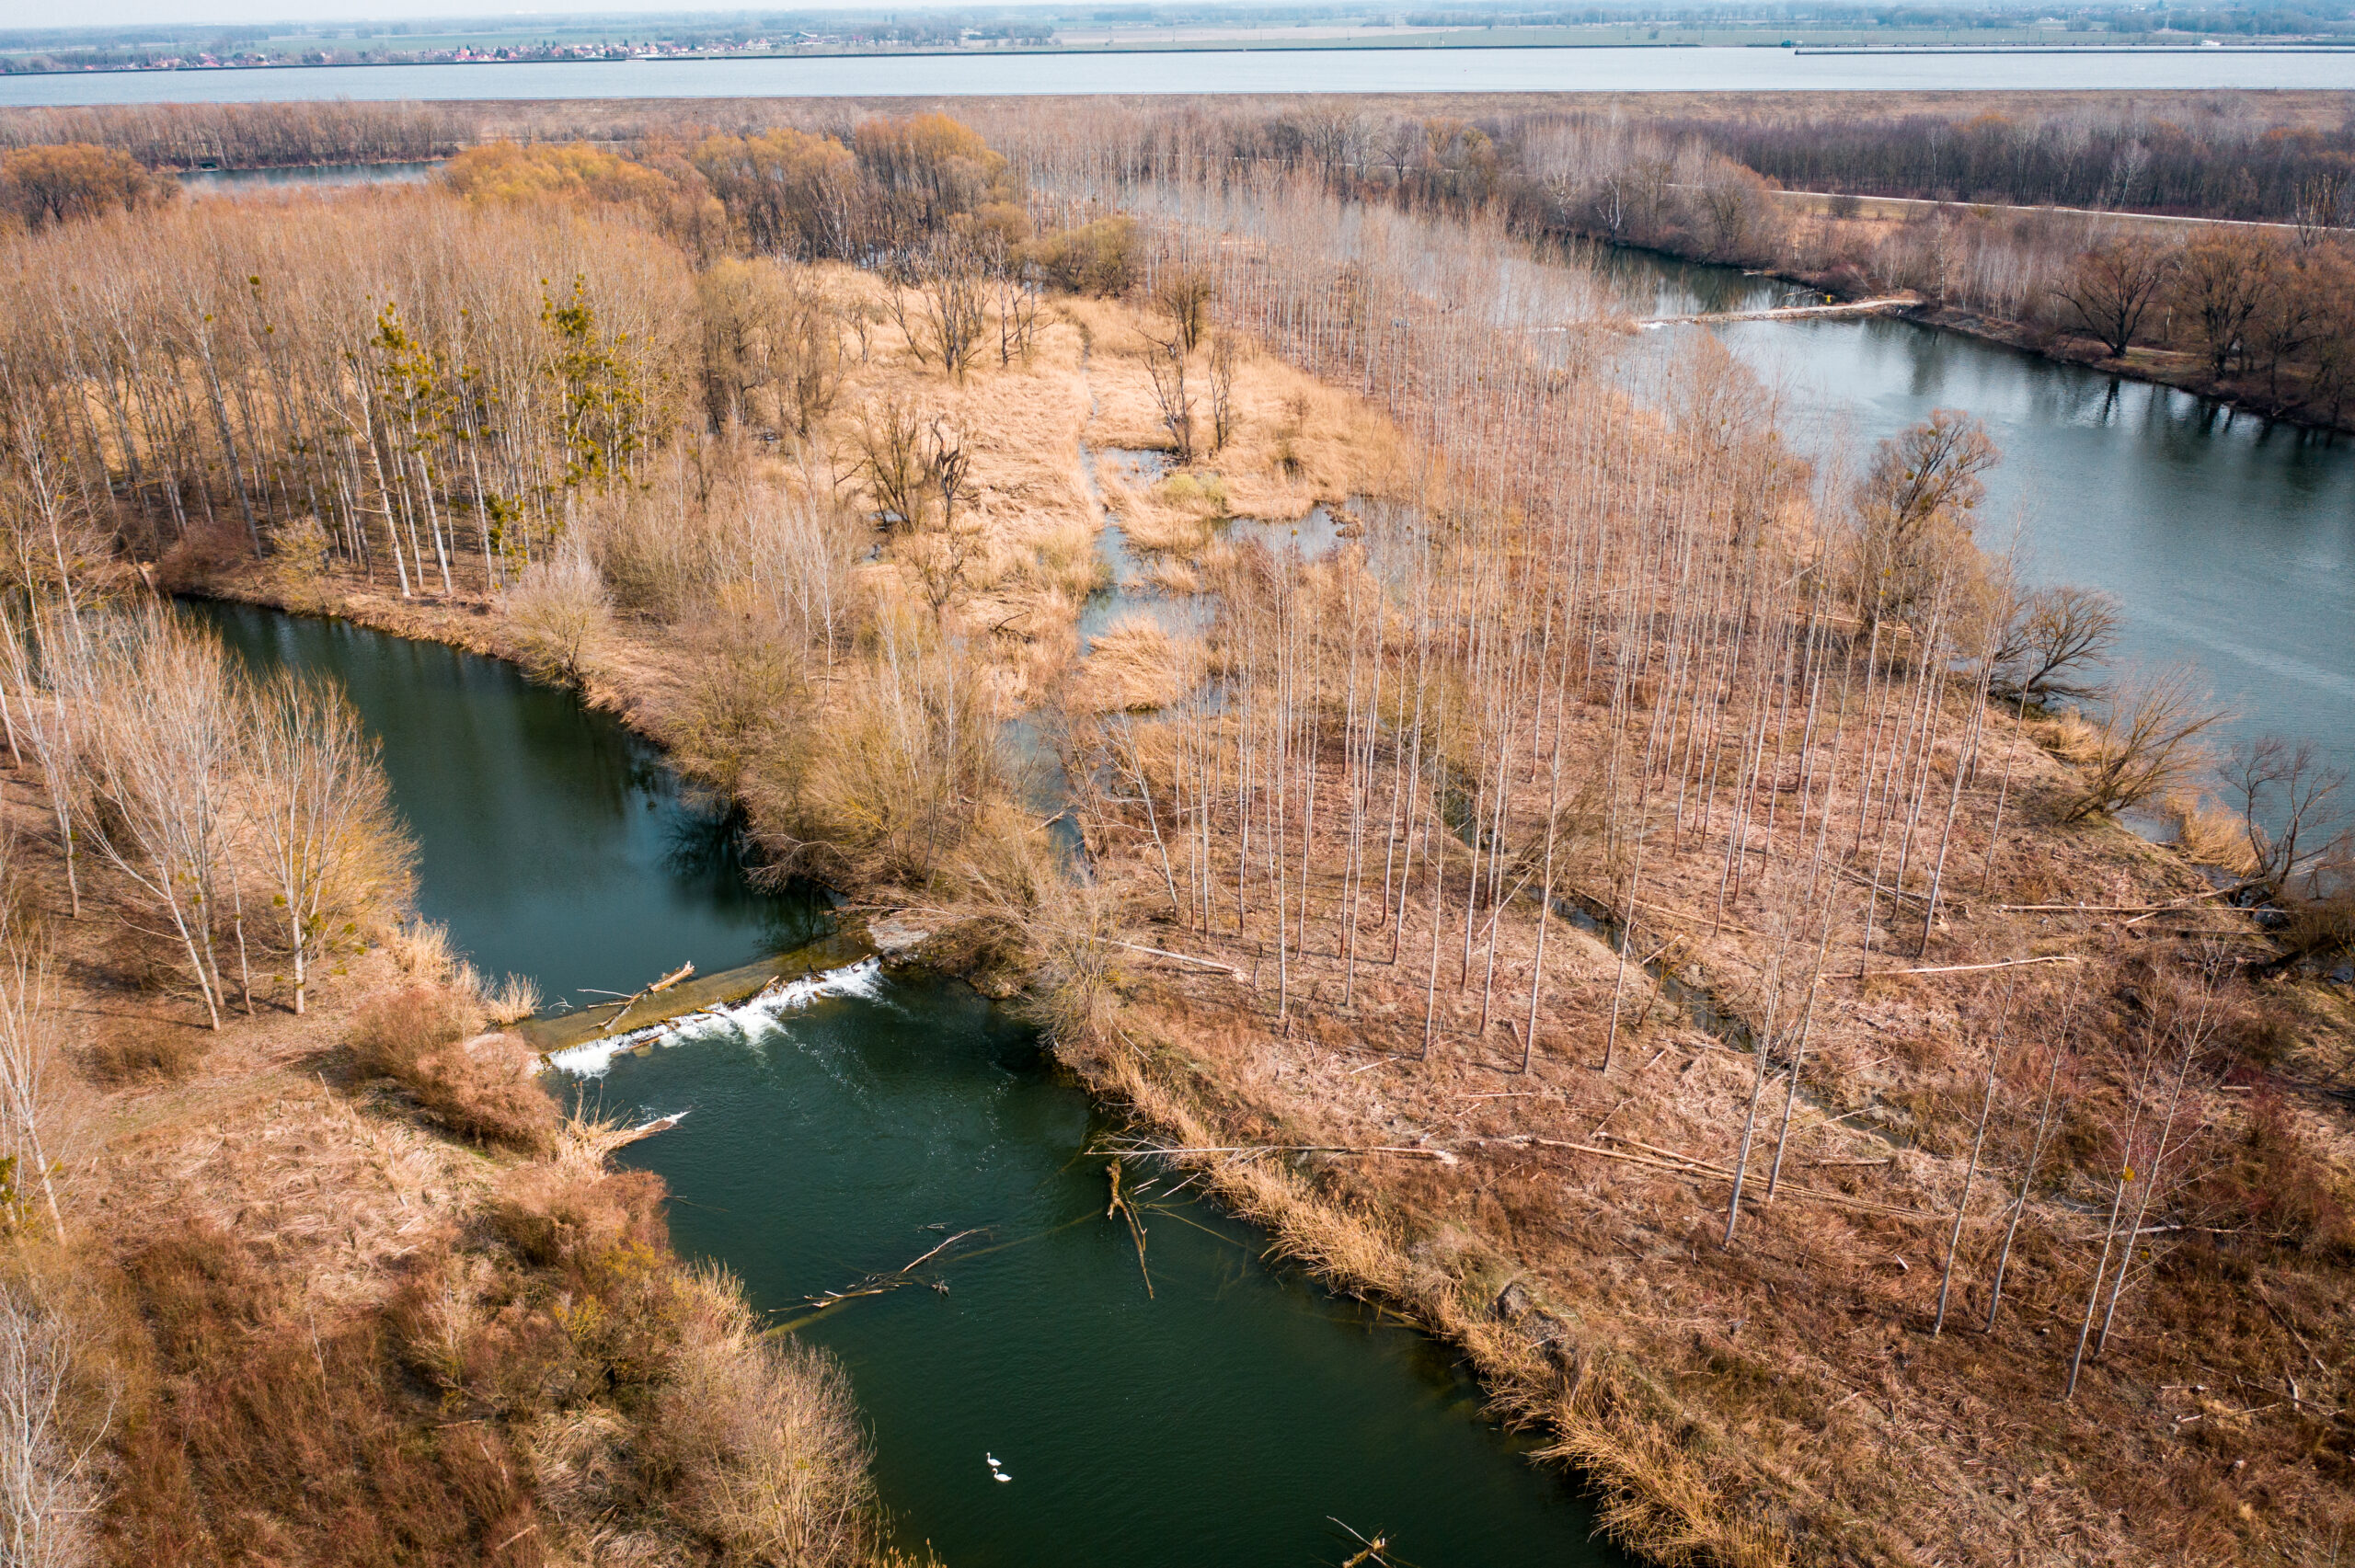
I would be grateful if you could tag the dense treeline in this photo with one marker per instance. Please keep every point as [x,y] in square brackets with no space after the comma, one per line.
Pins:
[187,136]
[52,183]
[2130,161]
[398,375]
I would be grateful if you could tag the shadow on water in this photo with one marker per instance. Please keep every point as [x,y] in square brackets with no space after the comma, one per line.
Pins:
[550,840]
[1220,1419]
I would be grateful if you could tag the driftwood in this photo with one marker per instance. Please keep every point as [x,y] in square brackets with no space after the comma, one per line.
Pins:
[1967,969]
[2141,912]
[1127,1211]
[878,1284]
[621,1008]
[1441,1155]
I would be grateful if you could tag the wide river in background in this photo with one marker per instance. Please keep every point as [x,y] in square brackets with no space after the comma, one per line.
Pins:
[2227,540]
[1384,70]
[1228,1418]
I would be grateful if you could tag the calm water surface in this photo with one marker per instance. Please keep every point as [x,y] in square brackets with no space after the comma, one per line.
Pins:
[1227,1418]
[1218,71]
[2228,542]
[237,182]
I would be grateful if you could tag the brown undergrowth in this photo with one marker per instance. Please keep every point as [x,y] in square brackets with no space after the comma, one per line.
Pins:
[1782,1397]
[1785,1398]
[349,1288]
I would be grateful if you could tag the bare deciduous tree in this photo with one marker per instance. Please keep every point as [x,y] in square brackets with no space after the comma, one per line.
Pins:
[2053,640]
[161,742]
[2286,794]
[1223,411]
[322,814]
[1165,361]
[2149,740]
[561,608]
[48,1493]
[1184,294]
[2222,282]
[1914,510]
[2113,287]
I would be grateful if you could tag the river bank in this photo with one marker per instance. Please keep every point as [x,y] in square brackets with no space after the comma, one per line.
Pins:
[312,1274]
[1711,1395]
[2152,366]
[1459,1231]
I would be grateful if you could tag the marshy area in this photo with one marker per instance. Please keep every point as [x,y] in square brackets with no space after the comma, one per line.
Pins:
[1618,885]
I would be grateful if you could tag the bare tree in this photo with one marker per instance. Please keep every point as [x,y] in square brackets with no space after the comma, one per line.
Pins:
[942,555]
[1915,506]
[2051,641]
[2322,202]
[2222,282]
[2112,288]
[161,746]
[1223,418]
[2149,740]
[49,1493]
[561,608]
[940,302]
[322,812]
[1184,294]
[1165,362]
[2286,796]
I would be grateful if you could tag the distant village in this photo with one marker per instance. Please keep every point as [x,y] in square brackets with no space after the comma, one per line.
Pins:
[382,51]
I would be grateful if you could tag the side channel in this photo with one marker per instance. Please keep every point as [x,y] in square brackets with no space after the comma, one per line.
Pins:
[1231,1416]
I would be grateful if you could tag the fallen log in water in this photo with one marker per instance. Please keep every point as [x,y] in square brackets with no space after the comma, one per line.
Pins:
[878,1284]
[621,1008]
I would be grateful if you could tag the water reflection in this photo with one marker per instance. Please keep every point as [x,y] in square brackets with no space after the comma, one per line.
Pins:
[551,841]
[2228,540]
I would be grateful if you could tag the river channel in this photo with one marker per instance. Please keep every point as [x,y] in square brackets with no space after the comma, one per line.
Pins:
[2227,541]
[1237,1411]
[1232,1417]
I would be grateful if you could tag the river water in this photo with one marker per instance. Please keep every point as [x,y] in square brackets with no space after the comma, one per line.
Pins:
[305,177]
[1238,1411]
[1386,70]
[1229,1417]
[2228,542]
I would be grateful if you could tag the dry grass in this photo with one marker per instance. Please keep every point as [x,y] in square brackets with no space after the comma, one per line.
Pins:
[1734,1406]
[482,1089]
[1134,666]
[758,1432]
[2210,835]
[309,1325]
[1714,1395]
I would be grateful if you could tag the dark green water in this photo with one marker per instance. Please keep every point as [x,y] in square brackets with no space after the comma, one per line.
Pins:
[1227,1419]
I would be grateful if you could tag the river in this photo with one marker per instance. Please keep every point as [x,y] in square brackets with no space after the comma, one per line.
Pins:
[1385,69]
[2228,541]
[1229,1417]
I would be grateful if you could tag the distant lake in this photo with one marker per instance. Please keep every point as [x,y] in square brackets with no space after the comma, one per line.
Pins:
[1383,70]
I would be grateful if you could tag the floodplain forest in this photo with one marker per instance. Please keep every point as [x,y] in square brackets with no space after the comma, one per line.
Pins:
[1650,908]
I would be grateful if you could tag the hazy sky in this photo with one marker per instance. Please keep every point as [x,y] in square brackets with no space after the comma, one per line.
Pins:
[186,13]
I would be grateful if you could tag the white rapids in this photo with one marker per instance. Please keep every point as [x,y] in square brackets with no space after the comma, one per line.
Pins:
[594,1059]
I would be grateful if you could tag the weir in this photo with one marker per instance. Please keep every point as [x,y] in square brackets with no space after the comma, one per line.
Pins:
[858,1118]
[551,1033]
